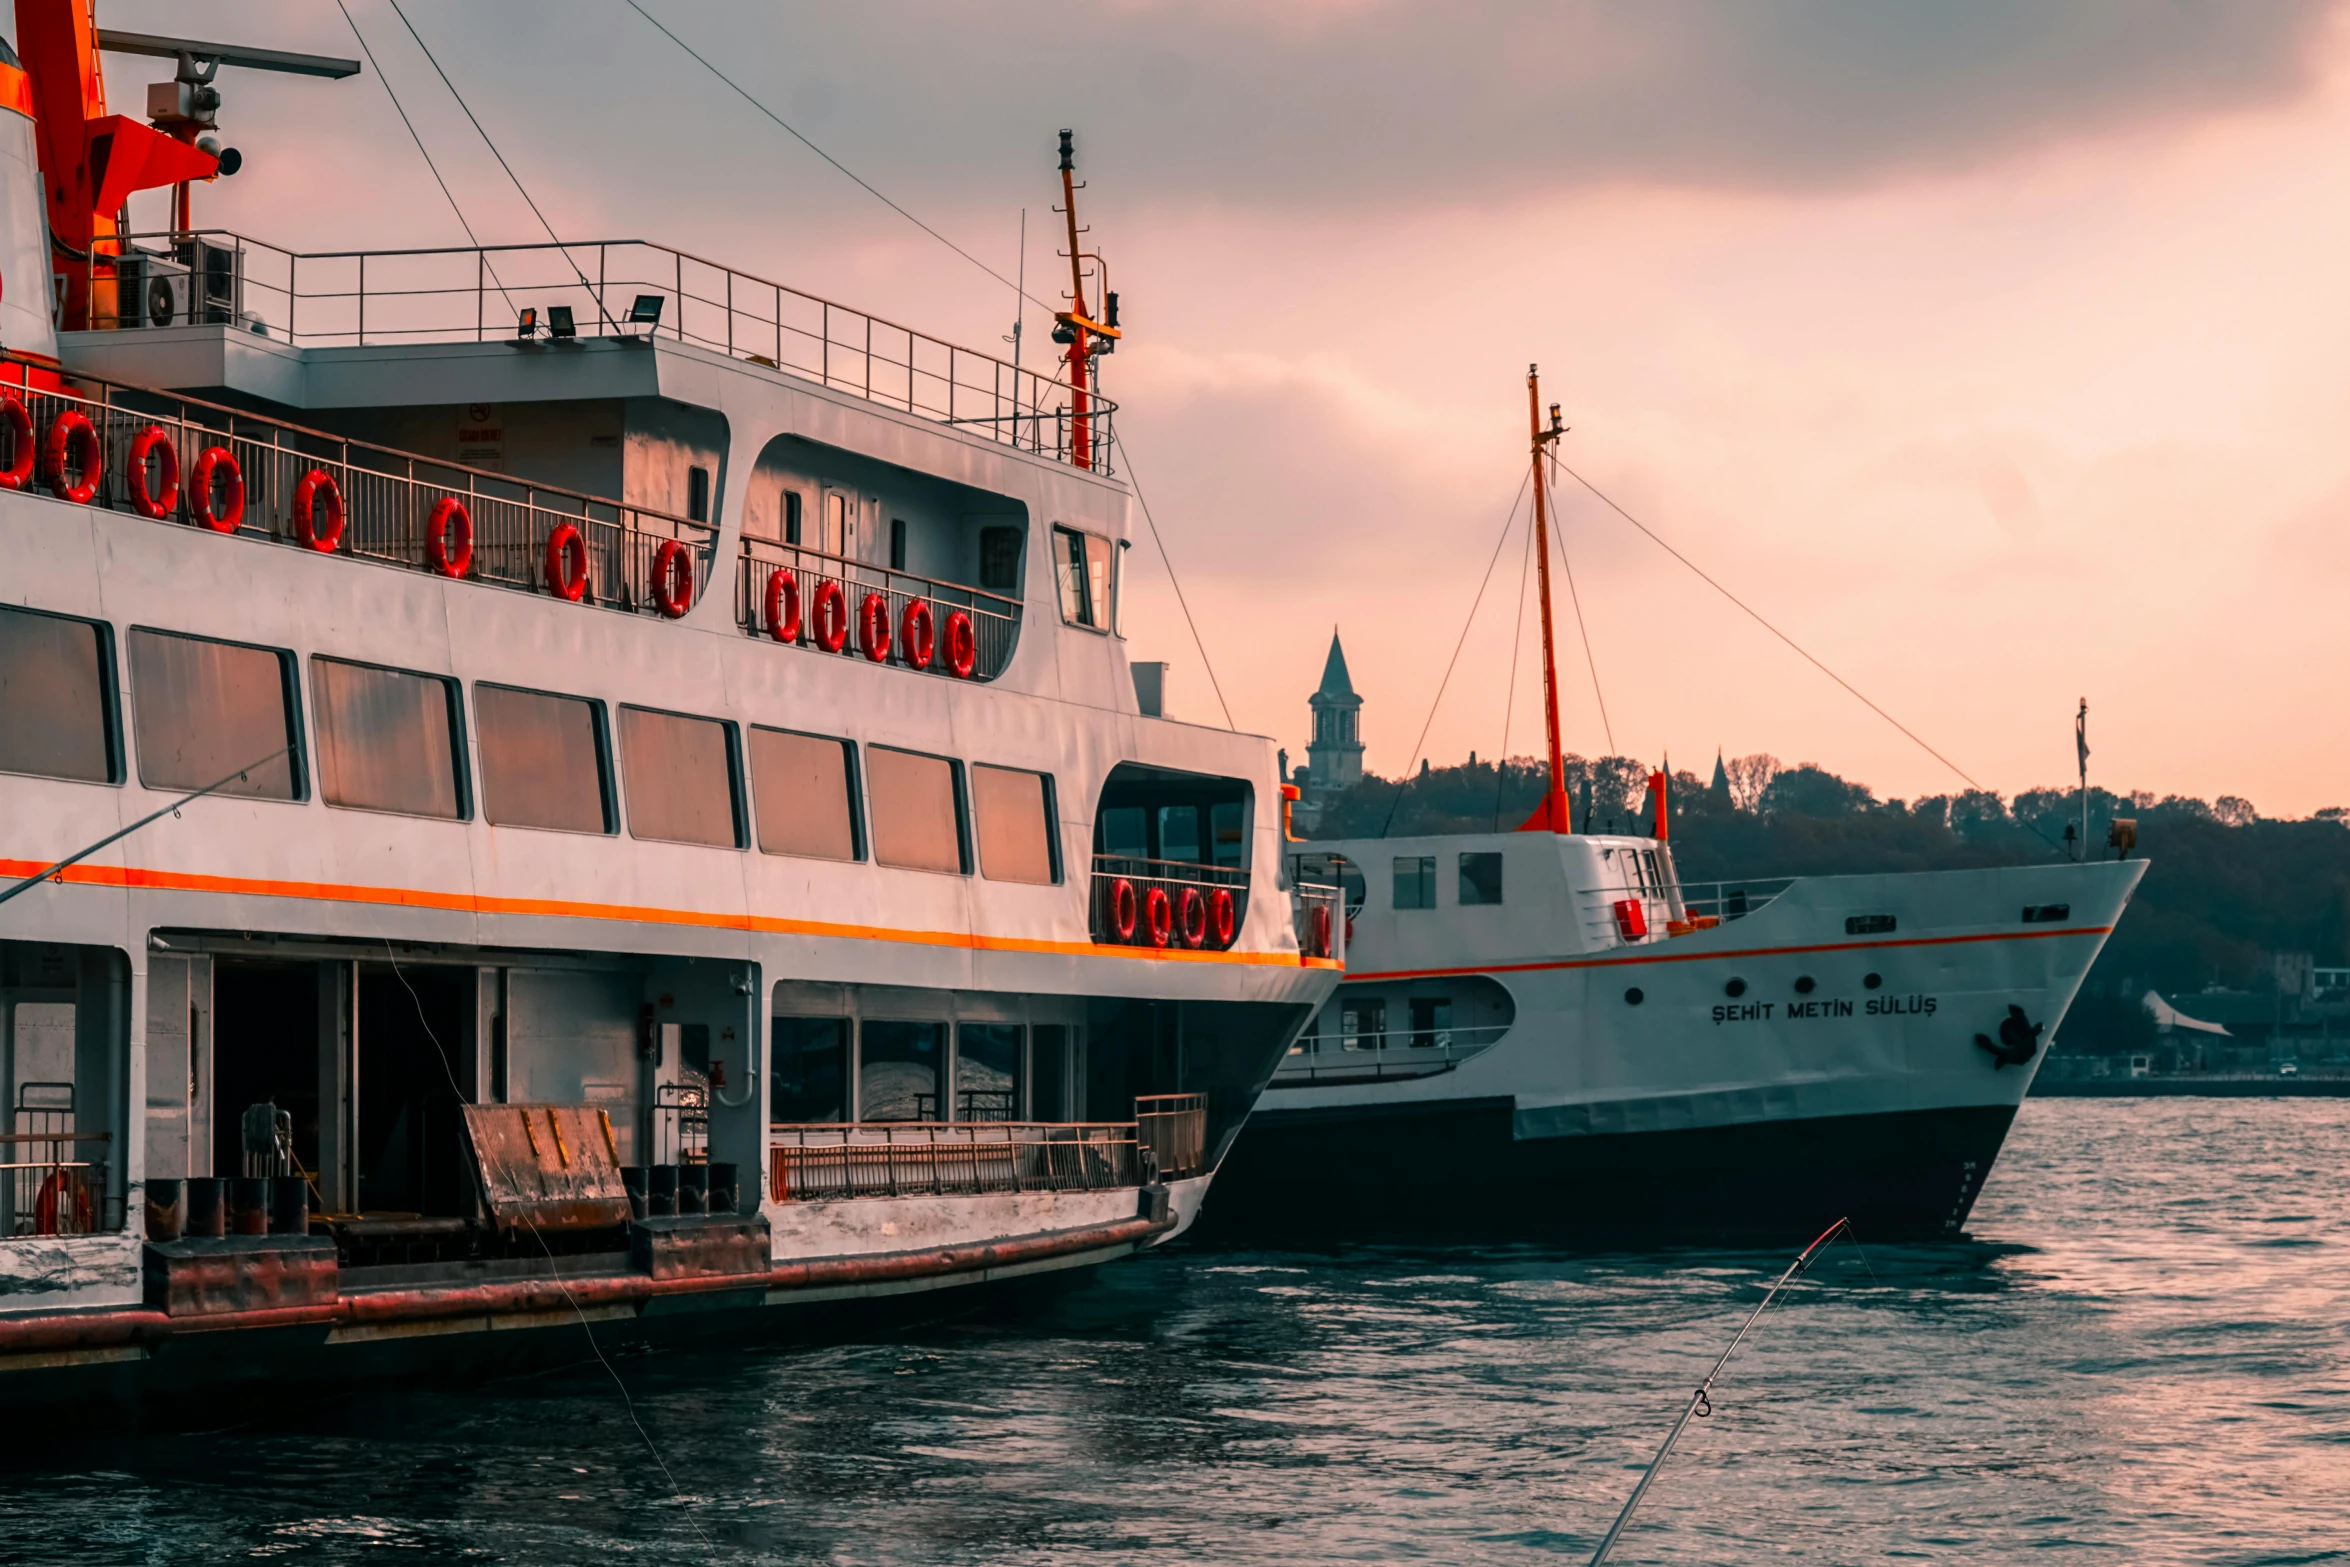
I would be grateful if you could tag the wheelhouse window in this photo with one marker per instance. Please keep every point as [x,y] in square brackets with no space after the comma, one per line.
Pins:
[897,1070]
[804,793]
[987,1071]
[917,815]
[203,709]
[1480,878]
[680,774]
[1415,881]
[543,760]
[809,1080]
[1362,1025]
[387,740]
[1086,568]
[57,715]
[1014,813]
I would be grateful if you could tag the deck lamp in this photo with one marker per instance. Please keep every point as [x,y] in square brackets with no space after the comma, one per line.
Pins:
[526,324]
[559,323]
[647,310]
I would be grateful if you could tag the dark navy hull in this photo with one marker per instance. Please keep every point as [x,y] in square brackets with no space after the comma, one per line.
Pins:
[1454,1170]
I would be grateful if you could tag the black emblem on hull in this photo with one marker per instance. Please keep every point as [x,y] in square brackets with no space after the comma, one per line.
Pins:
[2018,1042]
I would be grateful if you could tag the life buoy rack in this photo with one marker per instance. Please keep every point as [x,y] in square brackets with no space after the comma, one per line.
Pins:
[146,500]
[449,517]
[53,1195]
[962,646]
[23,451]
[783,605]
[1123,909]
[831,621]
[318,491]
[1191,918]
[873,626]
[918,634]
[567,563]
[1158,917]
[1223,918]
[217,464]
[673,578]
[72,438]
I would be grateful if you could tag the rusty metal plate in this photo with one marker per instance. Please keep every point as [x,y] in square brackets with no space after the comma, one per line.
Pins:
[553,1167]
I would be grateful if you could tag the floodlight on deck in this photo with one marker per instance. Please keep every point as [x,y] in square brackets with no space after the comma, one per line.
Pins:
[647,310]
[559,322]
[526,324]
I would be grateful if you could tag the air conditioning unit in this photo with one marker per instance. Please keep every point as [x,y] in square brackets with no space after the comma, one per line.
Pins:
[152,290]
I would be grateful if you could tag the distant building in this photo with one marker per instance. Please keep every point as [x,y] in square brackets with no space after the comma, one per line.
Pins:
[1334,758]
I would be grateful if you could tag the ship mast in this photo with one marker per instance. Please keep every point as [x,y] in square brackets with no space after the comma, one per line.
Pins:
[1552,814]
[1083,335]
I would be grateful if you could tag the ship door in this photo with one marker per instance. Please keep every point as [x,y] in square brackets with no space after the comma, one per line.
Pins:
[413,1029]
[267,1020]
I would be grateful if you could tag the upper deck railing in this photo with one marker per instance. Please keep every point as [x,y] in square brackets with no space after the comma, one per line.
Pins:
[514,533]
[478,293]
[781,592]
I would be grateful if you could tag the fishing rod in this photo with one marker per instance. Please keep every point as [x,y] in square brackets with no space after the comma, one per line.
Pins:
[37,877]
[1701,1402]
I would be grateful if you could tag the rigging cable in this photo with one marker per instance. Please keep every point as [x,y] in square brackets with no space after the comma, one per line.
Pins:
[1507,523]
[1576,599]
[471,237]
[1127,458]
[1509,706]
[560,248]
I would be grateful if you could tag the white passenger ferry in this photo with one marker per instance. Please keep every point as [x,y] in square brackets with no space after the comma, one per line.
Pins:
[1545,1033]
[656,742]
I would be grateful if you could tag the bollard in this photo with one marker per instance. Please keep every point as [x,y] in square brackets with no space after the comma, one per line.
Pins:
[289,1205]
[632,1180]
[165,1215]
[661,1190]
[693,1188]
[248,1205]
[725,1186]
[207,1207]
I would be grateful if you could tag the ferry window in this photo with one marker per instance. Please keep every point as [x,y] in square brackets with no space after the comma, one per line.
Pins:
[1480,878]
[803,794]
[810,1077]
[1014,814]
[999,559]
[987,1071]
[1048,1087]
[680,777]
[1362,1025]
[56,702]
[897,1070]
[1431,1021]
[697,495]
[1656,880]
[1124,832]
[791,516]
[1231,838]
[897,544]
[1179,834]
[386,739]
[916,822]
[1415,881]
[542,760]
[1082,563]
[836,524]
[202,709]
[1118,599]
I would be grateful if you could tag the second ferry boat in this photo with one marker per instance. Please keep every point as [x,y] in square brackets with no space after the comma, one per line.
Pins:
[565,784]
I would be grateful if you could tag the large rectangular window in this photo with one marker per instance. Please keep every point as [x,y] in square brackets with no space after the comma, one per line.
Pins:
[1083,564]
[387,739]
[203,709]
[897,1070]
[810,1076]
[917,821]
[803,791]
[987,1071]
[56,702]
[1480,878]
[1415,881]
[679,772]
[542,760]
[1014,813]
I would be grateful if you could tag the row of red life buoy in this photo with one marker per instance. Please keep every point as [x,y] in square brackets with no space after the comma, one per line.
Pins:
[1192,917]
[920,639]
[566,570]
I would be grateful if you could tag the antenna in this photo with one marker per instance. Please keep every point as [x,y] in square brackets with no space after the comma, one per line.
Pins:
[1019,291]
[1075,327]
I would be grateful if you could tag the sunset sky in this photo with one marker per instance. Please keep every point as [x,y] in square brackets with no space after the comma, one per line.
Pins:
[1999,354]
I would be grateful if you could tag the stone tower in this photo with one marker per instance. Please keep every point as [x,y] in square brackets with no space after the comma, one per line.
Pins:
[1334,761]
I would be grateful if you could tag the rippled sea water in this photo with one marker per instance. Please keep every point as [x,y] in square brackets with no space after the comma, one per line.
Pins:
[2144,1358]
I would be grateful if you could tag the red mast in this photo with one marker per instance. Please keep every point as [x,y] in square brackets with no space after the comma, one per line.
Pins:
[1075,326]
[1552,814]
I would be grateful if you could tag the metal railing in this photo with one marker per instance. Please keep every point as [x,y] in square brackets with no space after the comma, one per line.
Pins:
[995,619]
[388,495]
[463,293]
[1396,1053]
[49,1191]
[1173,1128]
[832,1162]
[1174,879]
[1321,922]
[1676,909]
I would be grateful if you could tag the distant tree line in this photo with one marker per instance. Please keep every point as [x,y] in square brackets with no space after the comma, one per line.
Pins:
[2225,889]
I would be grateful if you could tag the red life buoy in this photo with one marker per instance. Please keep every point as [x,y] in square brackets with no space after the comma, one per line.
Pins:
[21,450]
[873,627]
[1321,942]
[783,605]
[449,516]
[1191,918]
[962,647]
[1223,919]
[1122,909]
[832,616]
[217,462]
[673,578]
[316,492]
[148,502]
[72,438]
[920,634]
[567,563]
[45,1205]
[1158,917]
